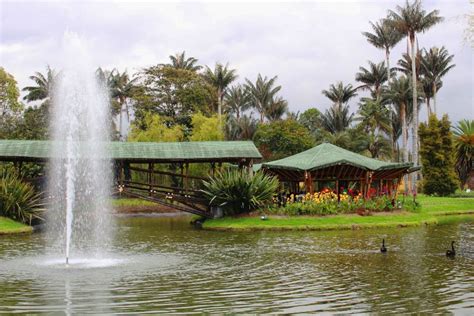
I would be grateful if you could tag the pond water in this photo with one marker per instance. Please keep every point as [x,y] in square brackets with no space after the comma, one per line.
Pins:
[162,264]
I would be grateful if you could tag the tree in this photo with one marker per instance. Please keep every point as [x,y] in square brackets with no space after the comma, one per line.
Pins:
[435,64]
[375,121]
[236,101]
[340,94]
[206,128]
[276,109]
[179,61]
[155,129]
[336,119]
[221,77]
[464,148]
[410,20]
[9,94]
[311,119]
[43,89]
[436,147]
[373,78]
[280,139]
[10,106]
[241,129]
[174,94]
[400,93]
[384,37]
[122,89]
[262,94]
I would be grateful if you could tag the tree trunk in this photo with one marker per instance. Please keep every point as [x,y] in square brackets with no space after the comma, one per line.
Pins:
[415,112]
[219,106]
[428,107]
[387,58]
[404,142]
[434,97]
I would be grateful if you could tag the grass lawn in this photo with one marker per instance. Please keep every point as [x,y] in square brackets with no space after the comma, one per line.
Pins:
[9,226]
[435,210]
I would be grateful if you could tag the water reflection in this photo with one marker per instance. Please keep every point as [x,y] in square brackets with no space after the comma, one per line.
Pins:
[162,265]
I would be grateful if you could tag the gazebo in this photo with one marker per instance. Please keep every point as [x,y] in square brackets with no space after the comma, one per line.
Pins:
[330,163]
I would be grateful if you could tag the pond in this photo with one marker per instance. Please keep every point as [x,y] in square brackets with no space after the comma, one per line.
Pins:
[162,264]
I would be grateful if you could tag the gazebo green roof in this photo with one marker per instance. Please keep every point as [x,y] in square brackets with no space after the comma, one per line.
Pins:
[328,155]
[35,150]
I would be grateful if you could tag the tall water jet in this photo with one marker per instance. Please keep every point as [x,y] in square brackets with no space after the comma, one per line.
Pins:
[79,220]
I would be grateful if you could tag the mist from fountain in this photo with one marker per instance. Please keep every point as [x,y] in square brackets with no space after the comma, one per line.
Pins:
[79,221]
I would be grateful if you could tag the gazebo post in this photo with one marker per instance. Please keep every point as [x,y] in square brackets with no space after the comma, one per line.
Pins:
[338,191]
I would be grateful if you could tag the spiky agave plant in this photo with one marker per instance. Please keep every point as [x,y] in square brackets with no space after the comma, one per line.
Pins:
[19,200]
[239,192]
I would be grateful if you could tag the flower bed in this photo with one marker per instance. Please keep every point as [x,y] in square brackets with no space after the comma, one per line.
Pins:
[326,203]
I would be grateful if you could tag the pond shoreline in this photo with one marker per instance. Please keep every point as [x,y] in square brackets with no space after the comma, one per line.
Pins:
[336,222]
[9,227]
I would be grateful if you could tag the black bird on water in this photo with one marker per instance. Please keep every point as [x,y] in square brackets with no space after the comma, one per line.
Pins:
[451,253]
[383,249]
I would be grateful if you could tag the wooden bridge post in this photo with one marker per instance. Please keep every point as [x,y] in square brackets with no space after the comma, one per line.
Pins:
[150,174]
[186,184]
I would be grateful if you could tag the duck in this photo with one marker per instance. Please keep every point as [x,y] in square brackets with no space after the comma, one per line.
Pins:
[383,249]
[451,253]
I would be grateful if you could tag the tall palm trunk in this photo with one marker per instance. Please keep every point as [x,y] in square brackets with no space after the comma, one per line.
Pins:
[434,97]
[387,58]
[428,106]
[219,105]
[403,119]
[415,111]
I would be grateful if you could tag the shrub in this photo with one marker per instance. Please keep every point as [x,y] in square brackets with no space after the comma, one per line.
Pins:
[18,200]
[437,159]
[239,192]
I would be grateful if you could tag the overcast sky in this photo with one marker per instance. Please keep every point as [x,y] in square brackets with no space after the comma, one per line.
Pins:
[308,45]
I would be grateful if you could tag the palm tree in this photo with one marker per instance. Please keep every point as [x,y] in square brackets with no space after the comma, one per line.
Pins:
[43,89]
[373,78]
[220,78]
[336,119]
[179,61]
[375,120]
[277,108]
[436,64]
[242,129]
[400,93]
[374,117]
[262,93]
[384,37]
[121,89]
[428,91]
[340,94]
[410,20]
[237,100]
[464,144]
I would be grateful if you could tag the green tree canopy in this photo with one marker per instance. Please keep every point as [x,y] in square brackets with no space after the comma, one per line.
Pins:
[173,93]
[154,129]
[206,128]
[280,139]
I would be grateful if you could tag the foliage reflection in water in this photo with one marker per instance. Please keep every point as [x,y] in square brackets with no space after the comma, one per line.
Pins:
[163,265]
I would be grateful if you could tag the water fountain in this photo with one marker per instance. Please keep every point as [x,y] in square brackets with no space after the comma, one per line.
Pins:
[80,175]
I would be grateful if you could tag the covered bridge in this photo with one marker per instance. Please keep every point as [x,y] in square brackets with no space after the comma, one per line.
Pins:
[140,167]
[330,163]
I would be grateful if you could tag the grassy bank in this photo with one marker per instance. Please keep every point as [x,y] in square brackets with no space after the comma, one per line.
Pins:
[9,226]
[434,210]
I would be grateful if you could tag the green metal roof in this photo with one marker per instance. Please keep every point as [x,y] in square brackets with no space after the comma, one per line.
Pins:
[141,151]
[326,155]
